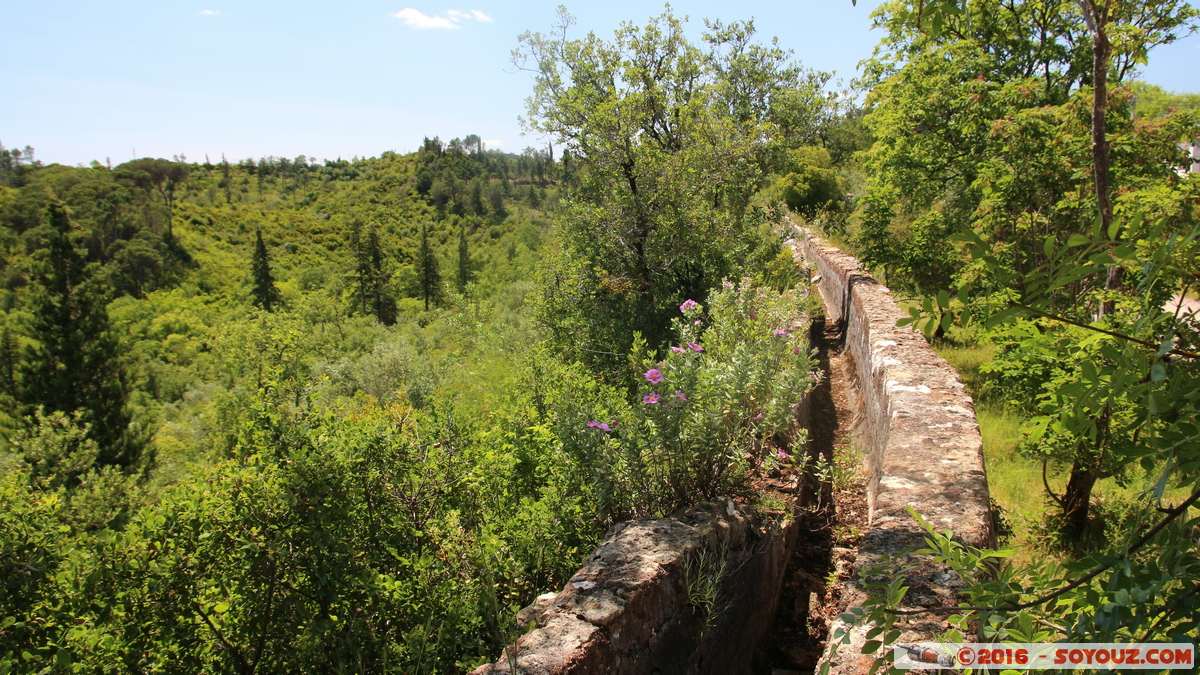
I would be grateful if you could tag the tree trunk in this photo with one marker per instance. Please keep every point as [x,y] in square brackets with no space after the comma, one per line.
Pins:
[1101,50]
[1097,16]
[1078,497]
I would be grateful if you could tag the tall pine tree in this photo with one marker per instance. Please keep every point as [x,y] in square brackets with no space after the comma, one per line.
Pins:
[371,275]
[427,270]
[464,259]
[362,268]
[264,293]
[75,361]
[382,302]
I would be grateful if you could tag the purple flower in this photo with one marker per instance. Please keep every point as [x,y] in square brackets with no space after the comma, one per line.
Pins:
[780,333]
[653,376]
[816,376]
[805,292]
[680,395]
[727,284]
[603,426]
[688,304]
[678,350]
[783,456]
[695,347]
[696,322]
[758,416]
[795,350]
[650,399]
[592,424]
[754,316]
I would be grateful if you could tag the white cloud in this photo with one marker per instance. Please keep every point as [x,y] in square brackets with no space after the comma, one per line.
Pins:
[460,14]
[492,144]
[416,19]
[209,12]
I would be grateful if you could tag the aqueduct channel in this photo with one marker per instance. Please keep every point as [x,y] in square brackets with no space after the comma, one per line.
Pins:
[627,610]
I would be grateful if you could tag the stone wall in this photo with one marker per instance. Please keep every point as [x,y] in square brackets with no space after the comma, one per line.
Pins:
[627,609]
[918,434]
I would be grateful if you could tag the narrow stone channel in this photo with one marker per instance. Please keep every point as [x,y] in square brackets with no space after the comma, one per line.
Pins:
[829,525]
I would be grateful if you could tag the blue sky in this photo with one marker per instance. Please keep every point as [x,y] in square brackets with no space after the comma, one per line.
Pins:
[118,79]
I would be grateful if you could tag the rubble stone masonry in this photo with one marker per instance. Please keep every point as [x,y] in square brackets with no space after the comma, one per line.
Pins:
[918,435]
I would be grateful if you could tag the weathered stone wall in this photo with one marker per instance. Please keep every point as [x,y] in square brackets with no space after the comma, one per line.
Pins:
[627,609]
[918,433]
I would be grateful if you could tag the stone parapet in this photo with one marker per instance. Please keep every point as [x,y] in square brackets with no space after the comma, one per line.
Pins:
[627,610]
[917,432]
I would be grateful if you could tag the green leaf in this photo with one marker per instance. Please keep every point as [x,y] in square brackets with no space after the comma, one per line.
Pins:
[971,237]
[871,646]
[1155,404]
[943,299]
[929,327]
[221,607]
[1077,240]
[1158,372]
[63,659]
[1166,346]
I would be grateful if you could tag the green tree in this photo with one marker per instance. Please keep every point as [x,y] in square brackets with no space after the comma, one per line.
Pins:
[464,259]
[1153,101]
[263,292]
[371,275]
[947,73]
[428,273]
[226,182]
[75,363]
[158,176]
[676,138]
[809,184]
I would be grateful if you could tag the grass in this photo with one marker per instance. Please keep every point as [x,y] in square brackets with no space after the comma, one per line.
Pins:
[1015,482]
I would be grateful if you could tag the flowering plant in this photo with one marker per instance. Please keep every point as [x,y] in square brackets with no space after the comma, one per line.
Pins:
[706,412]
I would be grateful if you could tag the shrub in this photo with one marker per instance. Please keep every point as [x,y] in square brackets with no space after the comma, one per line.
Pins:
[704,416]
